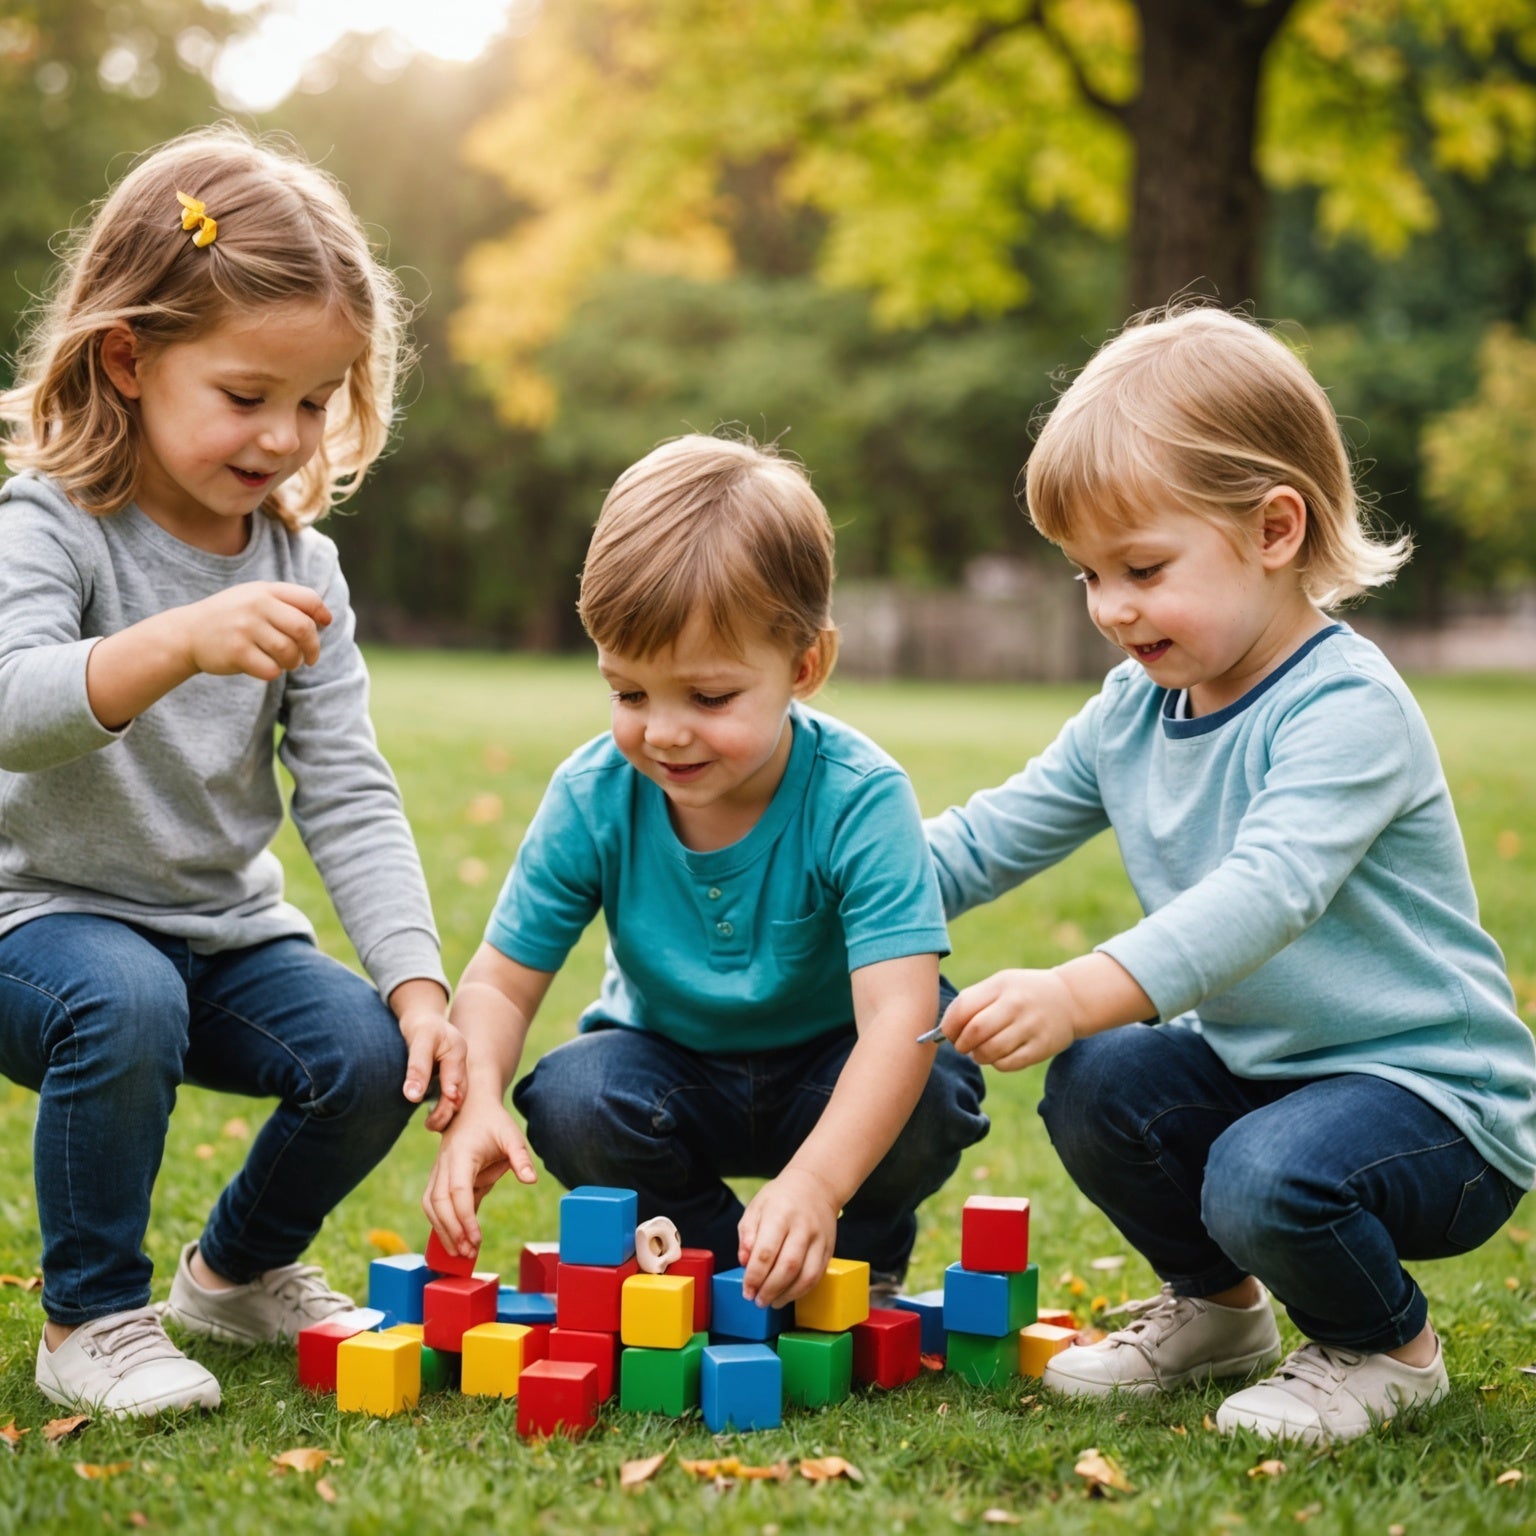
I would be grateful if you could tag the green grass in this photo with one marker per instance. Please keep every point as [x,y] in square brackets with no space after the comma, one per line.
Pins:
[934,1455]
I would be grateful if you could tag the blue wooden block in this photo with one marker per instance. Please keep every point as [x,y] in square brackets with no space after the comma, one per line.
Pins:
[597,1225]
[397,1284]
[984,1302]
[734,1317]
[741,1387]
[529,1308]
[929,1306]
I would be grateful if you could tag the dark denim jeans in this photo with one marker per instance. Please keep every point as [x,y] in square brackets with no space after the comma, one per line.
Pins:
[629,1108]
[106,1020]
[1320,1186]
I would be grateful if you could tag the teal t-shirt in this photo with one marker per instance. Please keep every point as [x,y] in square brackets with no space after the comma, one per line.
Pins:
[747,947]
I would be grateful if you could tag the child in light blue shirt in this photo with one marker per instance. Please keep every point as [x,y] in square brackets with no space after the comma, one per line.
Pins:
[1303,1065]
[774,922]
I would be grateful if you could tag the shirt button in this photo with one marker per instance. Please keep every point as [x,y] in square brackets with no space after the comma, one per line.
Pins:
[725,930]
[714,893]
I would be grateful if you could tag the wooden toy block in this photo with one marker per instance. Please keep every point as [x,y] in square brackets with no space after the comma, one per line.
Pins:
[818,1367]
[318,1344]
[838,1300]
[994,1234]
[527,1307]
[536,1267]
[979,1358]
[1038,1342]
[887,1347]
[929,1307]
[454,1305]
[441,1262]
[439,1368]
[741,1387]
[662,1380]
[557,1397]
[656,1311]
[734,1316]
[597,1225]
[1058,1318]
[378,1373]
[700,1264]
[591,1296]
[396,1284]
[599,1350]
[494,1356]
[994,1304]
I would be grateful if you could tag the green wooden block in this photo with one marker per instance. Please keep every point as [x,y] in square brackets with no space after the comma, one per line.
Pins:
[976,1357]
[818,1367]
[662,1380]
[439,1370]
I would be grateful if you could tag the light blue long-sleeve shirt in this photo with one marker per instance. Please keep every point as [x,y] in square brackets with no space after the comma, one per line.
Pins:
[1307,897]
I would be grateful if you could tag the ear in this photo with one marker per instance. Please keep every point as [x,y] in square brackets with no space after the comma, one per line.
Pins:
[815,664]
[1284,513]
[120,360]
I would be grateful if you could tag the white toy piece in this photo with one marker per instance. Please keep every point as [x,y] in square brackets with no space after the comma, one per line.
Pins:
[657,1244]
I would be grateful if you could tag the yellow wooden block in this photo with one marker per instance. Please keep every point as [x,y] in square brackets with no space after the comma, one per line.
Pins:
[838,1300]
[656,1311]
[378,1373]
[1038,1342]
[494,1357]
[407,1331]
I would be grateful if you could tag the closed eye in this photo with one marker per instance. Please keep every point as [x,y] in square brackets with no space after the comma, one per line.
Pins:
[626,698]
[713,700]
[1144,572]
[243,400]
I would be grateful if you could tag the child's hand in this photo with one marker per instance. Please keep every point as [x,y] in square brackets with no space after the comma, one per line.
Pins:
[477,1149]
[787,1234]
[434,1045]
[1013,1019]
[260,628]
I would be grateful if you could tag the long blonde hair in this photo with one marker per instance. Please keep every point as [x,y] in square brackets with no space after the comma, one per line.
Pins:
[285,234]
[1208,412]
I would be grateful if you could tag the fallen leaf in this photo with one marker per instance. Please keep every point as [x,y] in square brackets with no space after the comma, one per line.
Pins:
[1270,1468]
[1510,1283]
[1109,1263]
[1208,1423]
[204,1150]
[1301,1516]
[822,1469]
[56,1429]
[1508,1479]
[11,1435]
[932,1362]
[729,1466]
[483,809]
[1397,1530]
[387,1242]
[1519,1234]
[23,1282]
[1179,1429]
[324,1489]
[138,1519]
[1507,843]
[302,1458]
[1491,1388]
[999,1517]
[942,1409]
[633,1473]
[92,1469]
[237,1129]
[472,871]
[1100,1472]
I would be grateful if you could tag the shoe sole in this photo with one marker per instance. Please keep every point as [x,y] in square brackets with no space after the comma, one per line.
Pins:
[1277,1429]
[202,1328]
[167,1402]
[1077,1386]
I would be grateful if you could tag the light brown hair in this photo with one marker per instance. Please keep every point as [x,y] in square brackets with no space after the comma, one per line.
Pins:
[285,235]
[721,527]
[1207,412]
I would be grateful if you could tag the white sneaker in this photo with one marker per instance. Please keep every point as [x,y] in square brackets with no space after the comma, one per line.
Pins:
[272,1307]
[1171,1340]
[1322,1393]
[123,1364]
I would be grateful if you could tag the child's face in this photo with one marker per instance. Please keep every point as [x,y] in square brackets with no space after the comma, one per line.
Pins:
[1197,606]
[225,419]
[711,728]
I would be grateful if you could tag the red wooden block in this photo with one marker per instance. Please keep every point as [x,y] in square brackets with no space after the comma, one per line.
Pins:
[536,1345]
[599,1349]
[700,1263]
[454,1305]
[589,1296]
[441,1262]
[536,1267]
[887,1347]
[994,1234]
[557,1397]
[318,1344]
[1058,1319]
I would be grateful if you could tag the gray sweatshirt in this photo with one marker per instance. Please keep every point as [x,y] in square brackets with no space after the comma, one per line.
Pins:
[167,823]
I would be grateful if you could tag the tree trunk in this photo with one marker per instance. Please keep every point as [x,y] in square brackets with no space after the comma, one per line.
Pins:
[1197,210]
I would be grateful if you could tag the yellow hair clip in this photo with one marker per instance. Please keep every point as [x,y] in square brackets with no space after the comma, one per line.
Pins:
[196,217]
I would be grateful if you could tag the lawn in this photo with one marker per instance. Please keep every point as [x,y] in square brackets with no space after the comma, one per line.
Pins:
[473,739]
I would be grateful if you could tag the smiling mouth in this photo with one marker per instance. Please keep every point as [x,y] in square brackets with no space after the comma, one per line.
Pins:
[681,773]
[250,477]
[1152,652]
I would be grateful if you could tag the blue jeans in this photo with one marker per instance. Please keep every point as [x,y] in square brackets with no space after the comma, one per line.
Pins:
[629,1108]
[106,1020]
[1319,1186]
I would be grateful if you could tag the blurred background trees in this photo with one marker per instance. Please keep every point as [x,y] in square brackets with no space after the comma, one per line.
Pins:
[881,232]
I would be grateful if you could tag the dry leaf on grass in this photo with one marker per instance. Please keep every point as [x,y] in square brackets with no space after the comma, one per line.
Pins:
[11,1435]
[138,1519]
[56,1429]
[1109,1263]
[483,809]
[1507,1479]
[324,1489]
[1303,1515]
[999,1517]
[633,1473]
[1270,1468]
[204,1150]
[387,1242]
[96,1471]
[822,1469]
[931,1362]
[237,1129]
[1100,1473]
[730,1466]
[302,1458]
[23,1282]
